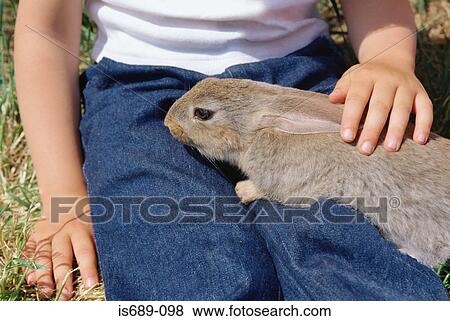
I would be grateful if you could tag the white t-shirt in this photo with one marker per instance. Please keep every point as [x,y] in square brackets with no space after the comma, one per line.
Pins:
[202,35]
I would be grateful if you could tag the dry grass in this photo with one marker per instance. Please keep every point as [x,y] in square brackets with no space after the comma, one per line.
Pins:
[19,203]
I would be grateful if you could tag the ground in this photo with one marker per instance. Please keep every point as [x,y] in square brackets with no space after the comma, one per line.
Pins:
[19,202]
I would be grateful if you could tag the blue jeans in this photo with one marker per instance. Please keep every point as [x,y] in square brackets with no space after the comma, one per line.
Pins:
[145,256]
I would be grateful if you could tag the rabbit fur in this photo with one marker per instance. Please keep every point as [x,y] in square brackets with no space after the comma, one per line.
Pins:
[287,143]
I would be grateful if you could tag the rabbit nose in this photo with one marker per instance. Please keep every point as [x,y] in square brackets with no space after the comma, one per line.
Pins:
[176,130]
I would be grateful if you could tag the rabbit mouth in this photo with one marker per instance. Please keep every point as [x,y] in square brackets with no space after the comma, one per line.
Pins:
[176,130]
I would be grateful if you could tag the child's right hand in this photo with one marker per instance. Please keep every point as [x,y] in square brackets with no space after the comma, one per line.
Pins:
[54,245]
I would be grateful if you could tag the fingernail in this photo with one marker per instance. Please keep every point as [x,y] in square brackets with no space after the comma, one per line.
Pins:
[348,134]
[421,138]
[90,282]
[30,279]
[46,291]
[65,293]
[392,144]
[367,147]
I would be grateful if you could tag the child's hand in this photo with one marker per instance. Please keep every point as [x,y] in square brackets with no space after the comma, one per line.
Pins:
[54,246]
[388,87]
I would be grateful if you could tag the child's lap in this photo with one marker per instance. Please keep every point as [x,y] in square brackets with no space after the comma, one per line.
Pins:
[129,153]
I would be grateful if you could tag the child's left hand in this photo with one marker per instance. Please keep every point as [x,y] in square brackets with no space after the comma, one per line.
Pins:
[389,88]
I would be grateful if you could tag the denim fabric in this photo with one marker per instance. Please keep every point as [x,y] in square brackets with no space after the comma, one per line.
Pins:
[128,152]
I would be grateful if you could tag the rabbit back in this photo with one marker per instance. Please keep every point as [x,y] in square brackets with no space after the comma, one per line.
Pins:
[284,165]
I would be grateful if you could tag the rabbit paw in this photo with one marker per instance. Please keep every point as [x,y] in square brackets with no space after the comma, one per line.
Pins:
[247,191]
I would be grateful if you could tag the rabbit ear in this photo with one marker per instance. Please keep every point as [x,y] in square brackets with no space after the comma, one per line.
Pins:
[300,124]
[301,112]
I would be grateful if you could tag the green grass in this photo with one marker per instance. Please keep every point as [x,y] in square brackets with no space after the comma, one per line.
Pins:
[19,202]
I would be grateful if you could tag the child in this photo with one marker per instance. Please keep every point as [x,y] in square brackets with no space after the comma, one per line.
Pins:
[149,53]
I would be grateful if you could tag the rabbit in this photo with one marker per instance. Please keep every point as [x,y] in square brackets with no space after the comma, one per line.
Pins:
[287,142]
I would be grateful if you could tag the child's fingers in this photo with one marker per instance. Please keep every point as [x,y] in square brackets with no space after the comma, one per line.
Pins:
[355,103]
[424,117]
[62,257]
[84,249]
[399,118]
[43,277]
[379,108]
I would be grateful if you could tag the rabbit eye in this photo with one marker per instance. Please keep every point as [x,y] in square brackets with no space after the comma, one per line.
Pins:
[203,114]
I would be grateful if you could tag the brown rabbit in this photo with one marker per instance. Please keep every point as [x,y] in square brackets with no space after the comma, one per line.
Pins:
[287,142]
